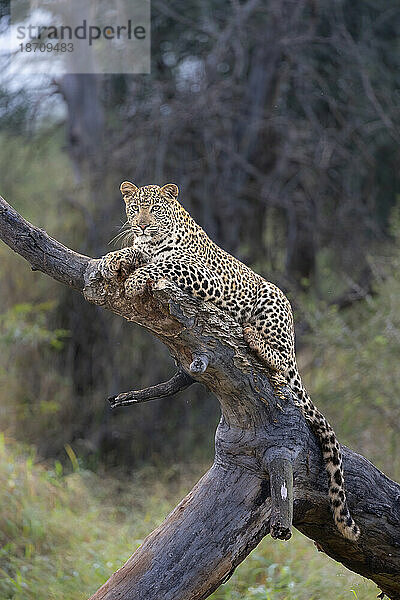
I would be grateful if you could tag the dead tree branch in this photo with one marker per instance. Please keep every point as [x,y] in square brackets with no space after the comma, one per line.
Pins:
[265,452]
[40,250]
[179,382]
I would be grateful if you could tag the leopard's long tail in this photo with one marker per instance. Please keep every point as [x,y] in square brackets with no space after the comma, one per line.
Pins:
[324,432]
[332,459]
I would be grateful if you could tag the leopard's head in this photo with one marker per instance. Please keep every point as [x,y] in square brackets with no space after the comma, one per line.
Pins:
[151,211]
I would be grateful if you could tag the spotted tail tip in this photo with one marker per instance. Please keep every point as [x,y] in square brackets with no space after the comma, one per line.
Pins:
[348,529]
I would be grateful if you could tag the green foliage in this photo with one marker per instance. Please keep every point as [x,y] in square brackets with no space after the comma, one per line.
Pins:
[37,176]
[354,375]
[26,324]
[26,340]
[58,533]
[61,536]
[291,571]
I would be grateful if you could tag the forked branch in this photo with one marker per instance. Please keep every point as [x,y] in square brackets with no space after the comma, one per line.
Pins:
[259,445]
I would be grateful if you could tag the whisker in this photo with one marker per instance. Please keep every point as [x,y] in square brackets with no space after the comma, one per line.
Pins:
[128,239]
[122,225]
[126,228]
[116,238]
[123,230]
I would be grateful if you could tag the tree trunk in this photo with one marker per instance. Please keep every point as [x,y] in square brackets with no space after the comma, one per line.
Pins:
[266,456]
[85,119]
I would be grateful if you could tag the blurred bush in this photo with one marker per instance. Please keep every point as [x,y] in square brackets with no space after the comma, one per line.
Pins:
[353,371]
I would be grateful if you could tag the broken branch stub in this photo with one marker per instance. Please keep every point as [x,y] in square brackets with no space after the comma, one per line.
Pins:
[281,482]
[199,363]
[179,382]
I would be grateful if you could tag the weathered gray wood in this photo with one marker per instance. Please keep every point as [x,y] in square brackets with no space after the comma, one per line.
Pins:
[281,481]
[214,528]
[178,382]
[40,250]
[200,543]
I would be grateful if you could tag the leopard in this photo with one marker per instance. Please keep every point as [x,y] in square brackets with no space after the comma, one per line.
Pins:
[162,241]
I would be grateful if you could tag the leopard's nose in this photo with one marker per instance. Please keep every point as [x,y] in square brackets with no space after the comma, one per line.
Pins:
[143,226]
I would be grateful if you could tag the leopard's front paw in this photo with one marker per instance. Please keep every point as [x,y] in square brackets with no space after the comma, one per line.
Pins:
[114,265]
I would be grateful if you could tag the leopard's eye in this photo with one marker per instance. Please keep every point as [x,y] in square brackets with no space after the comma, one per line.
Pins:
[134,208]
[157,210]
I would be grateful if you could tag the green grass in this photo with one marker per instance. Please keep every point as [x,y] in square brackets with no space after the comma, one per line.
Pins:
[62,535]
[293,570]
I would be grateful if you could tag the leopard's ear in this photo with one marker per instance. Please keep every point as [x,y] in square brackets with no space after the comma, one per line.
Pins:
[127,189]
[170,191]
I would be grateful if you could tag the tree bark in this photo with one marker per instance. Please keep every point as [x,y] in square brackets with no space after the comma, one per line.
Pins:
[179,382]
[265,453]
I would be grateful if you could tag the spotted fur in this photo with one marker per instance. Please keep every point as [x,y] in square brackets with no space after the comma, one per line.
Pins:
[163,241]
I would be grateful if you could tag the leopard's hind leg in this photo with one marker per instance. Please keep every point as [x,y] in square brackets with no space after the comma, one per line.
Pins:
[259,344]
[270,335]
